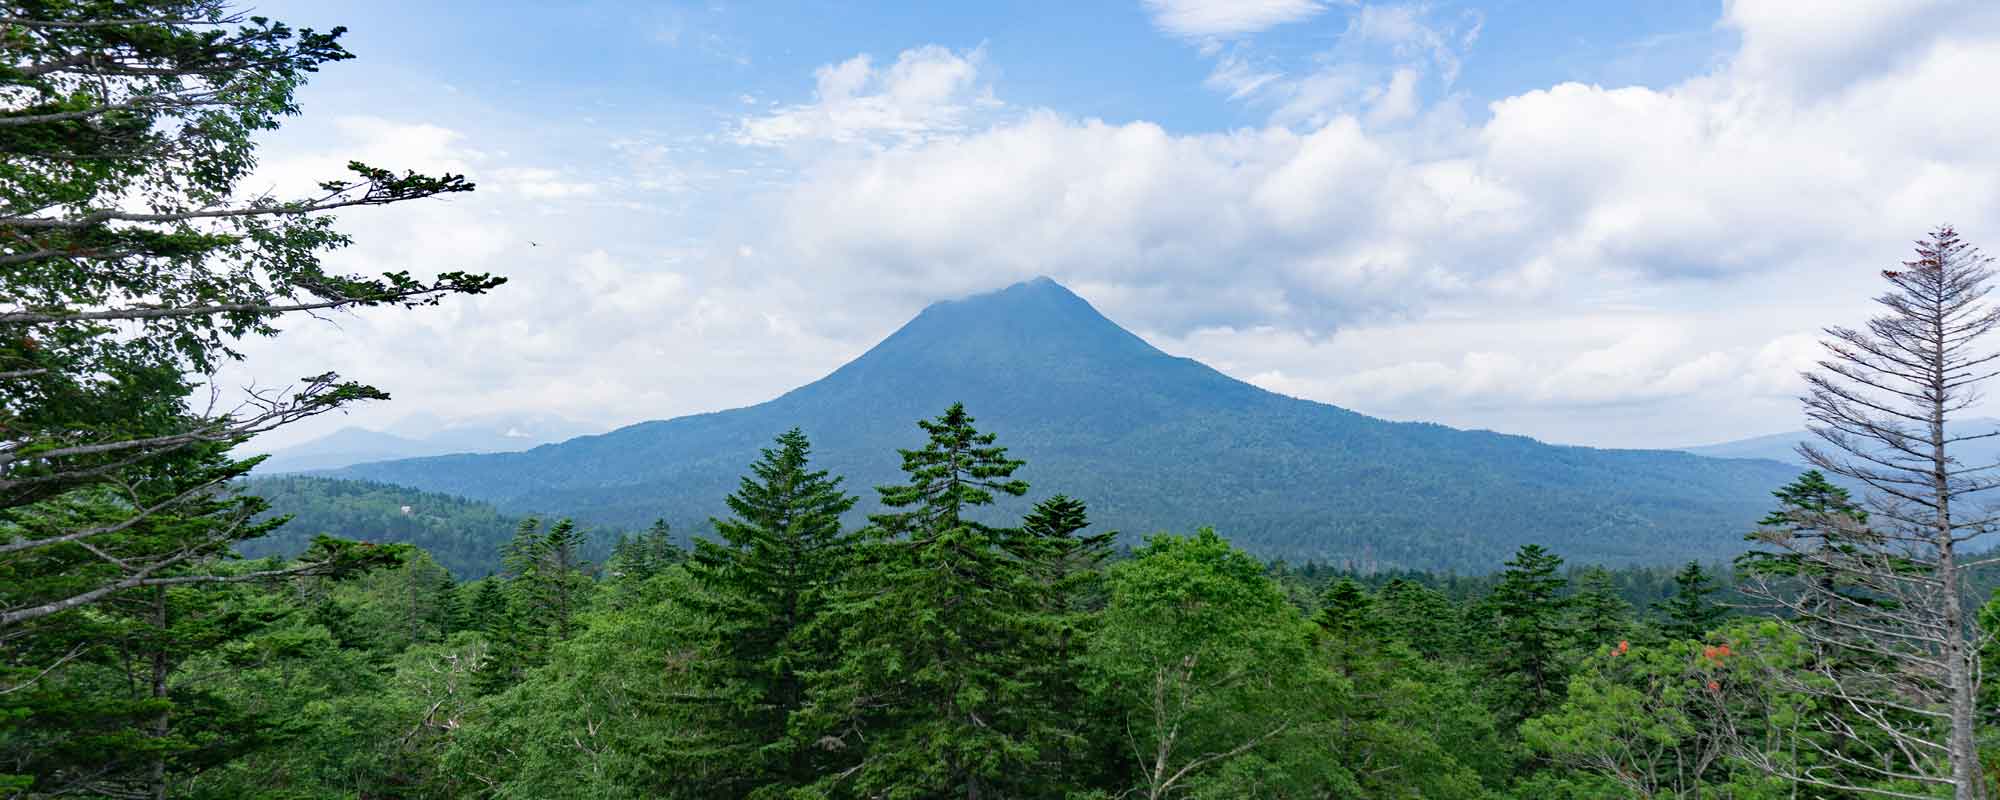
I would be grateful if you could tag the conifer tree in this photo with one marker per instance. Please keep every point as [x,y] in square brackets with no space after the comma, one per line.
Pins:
[557,585]
[635,559]
[488,609]
[453,613]
[932,698]
[766,584]
[1602,617]
[1422,616]
[1690,612]
[1527,609]
[1065,562]
[1068,566]
[1348,611]
[546,588]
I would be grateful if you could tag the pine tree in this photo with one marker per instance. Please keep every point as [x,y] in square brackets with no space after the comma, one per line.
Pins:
[932,696]
[1690,613]
[766,584]
[1524,658]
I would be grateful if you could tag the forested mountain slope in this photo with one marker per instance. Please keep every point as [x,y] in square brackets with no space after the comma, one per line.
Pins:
[462,535]
[1152,442]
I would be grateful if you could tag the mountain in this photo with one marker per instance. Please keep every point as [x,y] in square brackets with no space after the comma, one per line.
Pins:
[1784,446]
[1152,442]
[422,435]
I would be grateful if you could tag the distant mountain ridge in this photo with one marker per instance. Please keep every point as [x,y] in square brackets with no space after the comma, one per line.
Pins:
[1784,446]
[1152,442]
[423,435]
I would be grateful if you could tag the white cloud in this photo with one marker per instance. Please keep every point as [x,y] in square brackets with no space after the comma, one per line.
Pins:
[1613,265]
[1206,18]
[541,183]
[1575,199]
[1374,68]
[929,91]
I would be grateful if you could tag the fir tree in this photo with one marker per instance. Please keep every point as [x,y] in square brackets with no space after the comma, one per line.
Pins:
[1068,566]
[1690,612]
[934,695]
[1429,621]
[488,609]
[1348,611]
[1065,562]
[765,585]
[1602,617]
[546,588]
[1527,608]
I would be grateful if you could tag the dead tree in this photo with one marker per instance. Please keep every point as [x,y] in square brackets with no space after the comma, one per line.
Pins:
[1882,595]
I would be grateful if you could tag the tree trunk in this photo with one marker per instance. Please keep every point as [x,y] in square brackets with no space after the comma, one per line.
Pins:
[157,774]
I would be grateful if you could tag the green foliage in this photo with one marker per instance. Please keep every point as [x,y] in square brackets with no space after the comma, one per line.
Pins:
[1691,612]
[460,535]
[1668,720]
[1602,618]
[135,263]
[931,695]
[1527,612]
[606,717]
[763,591]
[1211,673]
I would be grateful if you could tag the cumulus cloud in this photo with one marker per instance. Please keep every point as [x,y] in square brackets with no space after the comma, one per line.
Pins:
[1613,265]
[929,91]
[1572,199]
[1207,18]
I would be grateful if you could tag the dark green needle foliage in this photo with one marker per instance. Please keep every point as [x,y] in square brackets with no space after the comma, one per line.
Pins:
[765,586]
[934,695]
[1528,613]
[1692,610]
[1602,617]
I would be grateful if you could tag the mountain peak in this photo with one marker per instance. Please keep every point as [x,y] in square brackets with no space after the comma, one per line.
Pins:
[1034,319]
[1040,290]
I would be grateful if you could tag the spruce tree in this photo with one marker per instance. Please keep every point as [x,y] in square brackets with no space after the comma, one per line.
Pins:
[1432,624]
[1068,566]
[765,585]
[546,587]
[1690,612]
[1527,609]
[1348,611]
[1067,563]
[1602,617]
[488,609]
[934,696]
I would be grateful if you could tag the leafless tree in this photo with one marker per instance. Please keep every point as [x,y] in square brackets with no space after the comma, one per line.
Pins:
[1881,594]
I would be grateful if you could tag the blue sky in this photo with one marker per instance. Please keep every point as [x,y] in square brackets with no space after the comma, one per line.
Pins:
[668,63]
[1620,229]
